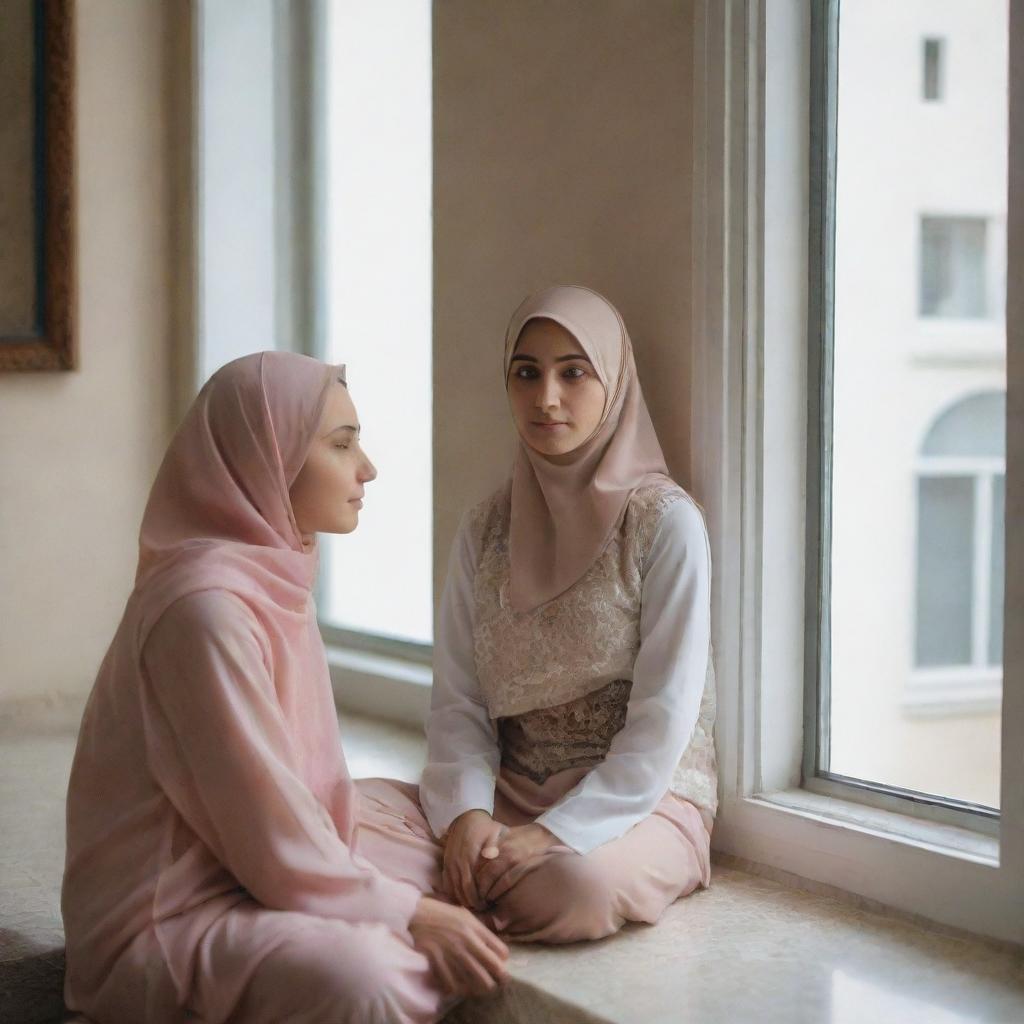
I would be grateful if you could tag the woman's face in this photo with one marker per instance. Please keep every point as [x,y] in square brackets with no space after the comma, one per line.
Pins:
[553,390]
[326,494]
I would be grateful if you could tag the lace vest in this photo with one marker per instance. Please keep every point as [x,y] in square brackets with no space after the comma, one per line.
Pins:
[557,679]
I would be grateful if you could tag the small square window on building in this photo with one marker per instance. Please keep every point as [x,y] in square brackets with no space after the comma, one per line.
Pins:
[934,82]
[953,267]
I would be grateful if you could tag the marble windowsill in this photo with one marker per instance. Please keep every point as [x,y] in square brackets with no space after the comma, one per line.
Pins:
[747,949]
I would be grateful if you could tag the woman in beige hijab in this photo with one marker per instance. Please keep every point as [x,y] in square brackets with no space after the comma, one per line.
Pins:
[571,768]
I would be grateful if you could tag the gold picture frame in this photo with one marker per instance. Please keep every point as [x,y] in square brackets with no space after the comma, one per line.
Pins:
[37,193]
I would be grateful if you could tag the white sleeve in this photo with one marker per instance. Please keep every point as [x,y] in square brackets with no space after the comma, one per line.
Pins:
[664,703]
[462,741]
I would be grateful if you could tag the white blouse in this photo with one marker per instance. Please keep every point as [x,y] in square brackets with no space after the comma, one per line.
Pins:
[671,676]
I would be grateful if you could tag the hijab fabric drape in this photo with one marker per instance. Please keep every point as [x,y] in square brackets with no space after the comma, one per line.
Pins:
[219,512]
[563,514]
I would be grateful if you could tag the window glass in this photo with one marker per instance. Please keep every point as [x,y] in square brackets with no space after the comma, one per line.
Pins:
[912,450]
[378,239]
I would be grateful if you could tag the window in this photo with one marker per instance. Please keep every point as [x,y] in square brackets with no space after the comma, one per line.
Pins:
[811,406]
[909,688]
[238,296]
[961,483]
[953,279]
[378,308]
[934,70]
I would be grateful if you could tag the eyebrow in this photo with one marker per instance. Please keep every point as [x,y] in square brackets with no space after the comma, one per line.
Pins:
[345,426]
[560,359]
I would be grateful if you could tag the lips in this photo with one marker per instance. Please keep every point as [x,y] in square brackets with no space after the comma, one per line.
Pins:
[550,426]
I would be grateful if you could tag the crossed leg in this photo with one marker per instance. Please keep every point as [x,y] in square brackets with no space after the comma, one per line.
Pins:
[259,966]
[567,896]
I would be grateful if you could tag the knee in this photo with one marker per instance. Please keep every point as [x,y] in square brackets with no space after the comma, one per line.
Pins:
[583,887]
[568,899]
[354,982]
[365,975]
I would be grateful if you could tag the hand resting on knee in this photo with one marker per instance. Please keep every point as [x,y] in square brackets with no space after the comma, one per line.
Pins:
[472,834]
[465,956]
[517,851]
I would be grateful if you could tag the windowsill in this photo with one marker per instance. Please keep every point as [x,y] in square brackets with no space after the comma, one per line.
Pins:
[936,837]
[385,687]
[959,356]
[958,324]
[802,952]
[953,692]
[949,342]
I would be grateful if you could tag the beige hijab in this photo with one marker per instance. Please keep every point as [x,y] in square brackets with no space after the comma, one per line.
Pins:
[563,514]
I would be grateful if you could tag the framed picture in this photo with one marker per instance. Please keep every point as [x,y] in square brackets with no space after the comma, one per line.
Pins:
[37,193]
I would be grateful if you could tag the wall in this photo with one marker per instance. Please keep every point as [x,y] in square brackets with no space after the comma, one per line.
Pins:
[78,450]
[562,154]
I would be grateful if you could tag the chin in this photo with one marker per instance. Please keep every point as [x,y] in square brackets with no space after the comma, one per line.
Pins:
[551,449]
[347,524]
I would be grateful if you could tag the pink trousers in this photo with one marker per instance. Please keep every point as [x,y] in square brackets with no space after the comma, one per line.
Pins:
[563,896]
[567,896]
[259,966]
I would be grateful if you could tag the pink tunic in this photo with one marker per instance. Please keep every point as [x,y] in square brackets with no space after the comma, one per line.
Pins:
[212,866]
[201,783]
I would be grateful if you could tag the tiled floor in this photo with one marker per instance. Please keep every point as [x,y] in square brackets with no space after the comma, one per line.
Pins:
[747,949]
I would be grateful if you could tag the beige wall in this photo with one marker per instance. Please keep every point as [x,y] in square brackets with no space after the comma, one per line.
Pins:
[78,450]
[562,154]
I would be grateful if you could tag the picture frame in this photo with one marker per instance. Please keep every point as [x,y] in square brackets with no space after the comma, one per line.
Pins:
[37,188]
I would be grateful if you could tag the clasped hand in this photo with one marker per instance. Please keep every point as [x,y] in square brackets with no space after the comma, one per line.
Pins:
[483,859]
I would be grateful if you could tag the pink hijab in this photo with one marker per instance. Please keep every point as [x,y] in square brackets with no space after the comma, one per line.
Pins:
[564,514]
[219,513]
[220,516]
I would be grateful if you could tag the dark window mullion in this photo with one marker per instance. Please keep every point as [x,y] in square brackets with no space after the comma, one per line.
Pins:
[821,292]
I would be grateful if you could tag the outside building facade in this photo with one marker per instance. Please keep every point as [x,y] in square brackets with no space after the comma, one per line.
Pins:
[919,405]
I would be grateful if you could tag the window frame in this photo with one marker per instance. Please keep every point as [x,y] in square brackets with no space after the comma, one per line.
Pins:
[376,643]
[751,412]
[371,674]
[360,659]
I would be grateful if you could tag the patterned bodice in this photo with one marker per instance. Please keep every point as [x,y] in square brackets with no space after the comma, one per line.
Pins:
[557,678]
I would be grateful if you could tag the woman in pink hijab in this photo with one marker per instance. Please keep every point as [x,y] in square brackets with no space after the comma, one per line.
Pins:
[221,863]
[571,768]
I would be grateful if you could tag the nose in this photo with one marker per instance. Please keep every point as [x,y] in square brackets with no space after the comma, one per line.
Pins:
[367,472]
[549,393]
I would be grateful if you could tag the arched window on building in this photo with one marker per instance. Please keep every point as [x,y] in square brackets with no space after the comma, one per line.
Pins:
[958,620]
